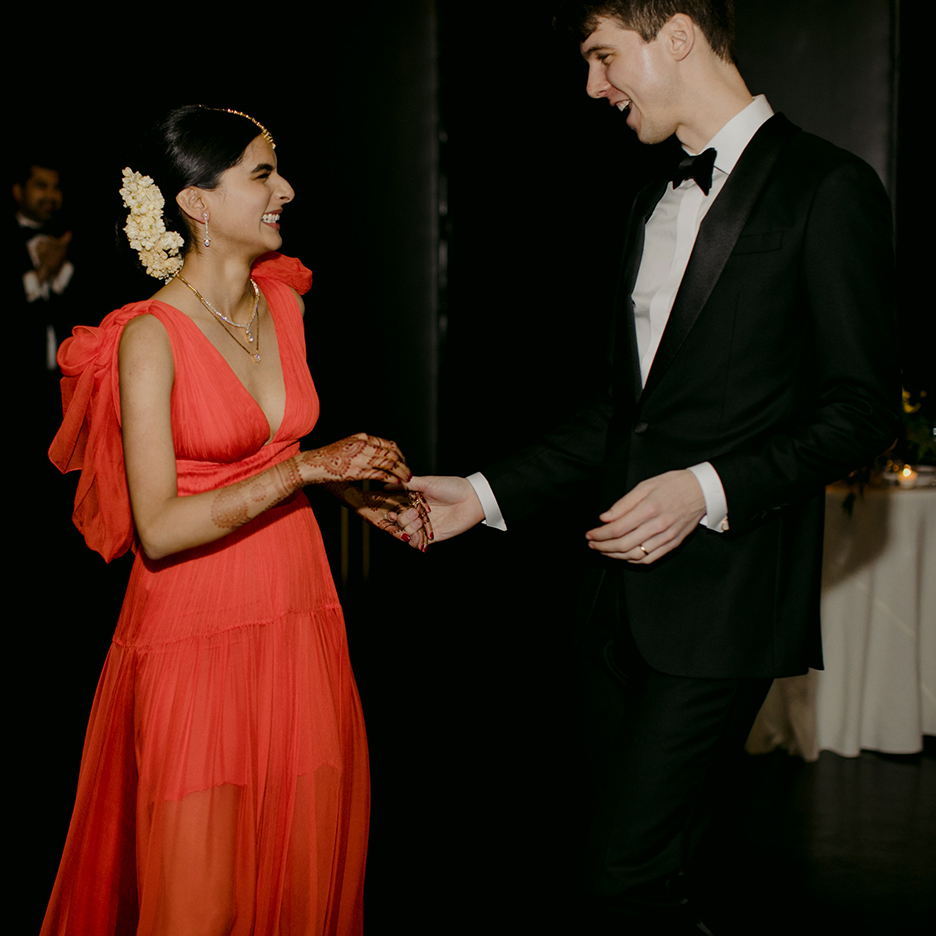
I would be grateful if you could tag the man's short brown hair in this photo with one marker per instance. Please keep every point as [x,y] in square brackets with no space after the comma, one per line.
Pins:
[647,17]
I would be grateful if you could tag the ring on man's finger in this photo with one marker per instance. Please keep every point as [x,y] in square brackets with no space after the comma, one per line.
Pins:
[643,549]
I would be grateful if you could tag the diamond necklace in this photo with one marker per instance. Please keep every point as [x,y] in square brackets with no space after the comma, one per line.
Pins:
[223,318]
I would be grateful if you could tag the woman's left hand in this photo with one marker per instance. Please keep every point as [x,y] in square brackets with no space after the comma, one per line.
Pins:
[360,457]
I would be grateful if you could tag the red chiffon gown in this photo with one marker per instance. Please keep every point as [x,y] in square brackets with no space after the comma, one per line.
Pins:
[224,778]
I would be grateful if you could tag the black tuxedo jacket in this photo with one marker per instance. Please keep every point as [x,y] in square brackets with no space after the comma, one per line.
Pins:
[778,366]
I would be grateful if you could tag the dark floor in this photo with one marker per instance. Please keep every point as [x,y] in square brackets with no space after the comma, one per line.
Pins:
[844,845]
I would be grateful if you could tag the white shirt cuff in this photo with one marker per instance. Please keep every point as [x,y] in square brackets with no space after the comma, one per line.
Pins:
[492,515]
[716,505]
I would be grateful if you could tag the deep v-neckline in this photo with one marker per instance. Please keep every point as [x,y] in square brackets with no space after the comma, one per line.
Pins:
[226,365]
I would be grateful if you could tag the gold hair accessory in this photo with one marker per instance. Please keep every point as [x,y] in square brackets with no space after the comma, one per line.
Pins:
[263,130]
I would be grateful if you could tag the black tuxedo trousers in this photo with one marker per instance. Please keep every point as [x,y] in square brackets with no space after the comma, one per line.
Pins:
[661,750]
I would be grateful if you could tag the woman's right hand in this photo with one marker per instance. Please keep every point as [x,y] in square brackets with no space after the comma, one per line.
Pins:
[385,508]
[360,457]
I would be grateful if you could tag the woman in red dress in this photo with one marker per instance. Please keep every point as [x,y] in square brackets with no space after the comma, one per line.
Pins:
[224,780]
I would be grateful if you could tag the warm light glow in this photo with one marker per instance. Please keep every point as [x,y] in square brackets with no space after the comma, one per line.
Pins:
[907,477]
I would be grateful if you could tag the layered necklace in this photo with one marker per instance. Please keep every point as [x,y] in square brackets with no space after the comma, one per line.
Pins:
[248,328]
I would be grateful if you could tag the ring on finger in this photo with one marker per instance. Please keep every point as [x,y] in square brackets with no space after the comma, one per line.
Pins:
[643,549]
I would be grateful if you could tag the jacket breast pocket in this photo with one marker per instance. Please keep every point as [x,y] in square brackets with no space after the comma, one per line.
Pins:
[758,243]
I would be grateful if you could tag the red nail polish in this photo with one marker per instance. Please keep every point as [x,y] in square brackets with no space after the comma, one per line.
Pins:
[432,536]
[405,537]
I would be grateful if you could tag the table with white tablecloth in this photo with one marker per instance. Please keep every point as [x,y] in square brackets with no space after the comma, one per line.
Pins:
[878,688]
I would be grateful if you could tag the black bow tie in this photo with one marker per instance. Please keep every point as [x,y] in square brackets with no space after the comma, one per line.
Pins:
[698,168]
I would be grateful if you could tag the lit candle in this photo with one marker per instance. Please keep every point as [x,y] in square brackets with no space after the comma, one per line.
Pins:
[907,477]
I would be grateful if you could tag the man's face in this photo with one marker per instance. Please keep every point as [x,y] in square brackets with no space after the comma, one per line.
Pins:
[635,76]
[41,196]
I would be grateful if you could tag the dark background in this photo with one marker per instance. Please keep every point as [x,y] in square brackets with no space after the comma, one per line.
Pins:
[462,205]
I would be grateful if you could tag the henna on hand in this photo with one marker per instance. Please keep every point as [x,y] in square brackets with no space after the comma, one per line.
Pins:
[384,508]
[229,510]
[231,507]
[358,458]
[335,459]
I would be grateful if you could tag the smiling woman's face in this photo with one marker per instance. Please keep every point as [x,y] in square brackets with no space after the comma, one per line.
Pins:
[244,209]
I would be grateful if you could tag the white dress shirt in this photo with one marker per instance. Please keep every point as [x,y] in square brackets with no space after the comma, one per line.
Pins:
[669,238]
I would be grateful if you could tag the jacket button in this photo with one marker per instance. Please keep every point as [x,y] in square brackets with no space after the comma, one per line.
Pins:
[640,428]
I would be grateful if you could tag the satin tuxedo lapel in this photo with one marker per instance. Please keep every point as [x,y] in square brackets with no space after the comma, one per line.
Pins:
[717,237]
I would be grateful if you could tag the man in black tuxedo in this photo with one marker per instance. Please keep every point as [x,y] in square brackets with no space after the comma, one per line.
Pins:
[753,362]
[44,291]
[43,269]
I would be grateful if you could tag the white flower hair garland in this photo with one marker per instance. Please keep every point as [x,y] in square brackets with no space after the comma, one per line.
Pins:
[145,228]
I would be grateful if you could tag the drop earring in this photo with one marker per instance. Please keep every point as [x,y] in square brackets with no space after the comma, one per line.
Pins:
[205,219]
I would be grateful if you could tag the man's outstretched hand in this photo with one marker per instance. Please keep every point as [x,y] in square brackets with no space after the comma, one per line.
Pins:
[451,501]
